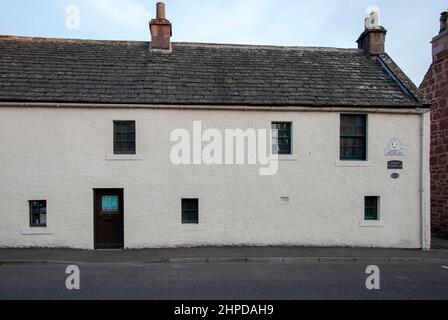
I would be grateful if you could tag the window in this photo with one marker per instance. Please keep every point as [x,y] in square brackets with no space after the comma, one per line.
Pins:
[124,137]
[190,211]
[38,213]
[371,211]
[110,205]
[353,137]
[281,138]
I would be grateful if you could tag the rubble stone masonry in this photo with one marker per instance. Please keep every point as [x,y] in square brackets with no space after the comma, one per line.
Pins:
[435,88]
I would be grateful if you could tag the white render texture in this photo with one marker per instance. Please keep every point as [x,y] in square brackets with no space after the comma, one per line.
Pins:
[62,154]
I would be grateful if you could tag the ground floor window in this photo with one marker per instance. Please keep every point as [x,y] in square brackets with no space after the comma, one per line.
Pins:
[371,208]
[38,213]
[190,211]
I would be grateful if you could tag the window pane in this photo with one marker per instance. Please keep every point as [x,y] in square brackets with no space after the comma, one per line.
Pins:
[371,208]
[110,204]
[190,211]
[371,202]
[360,131]
[281,138]
[38,213]
[353,137]
[124,137]
[359,153]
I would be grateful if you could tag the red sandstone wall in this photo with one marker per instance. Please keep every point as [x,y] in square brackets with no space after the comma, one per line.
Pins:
[435,88]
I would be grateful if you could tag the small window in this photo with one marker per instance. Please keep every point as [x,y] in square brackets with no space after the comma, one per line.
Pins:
[281,138]
[371,211]
[353,137]
[110,205]
[190,211]
[124,137]
[38,213]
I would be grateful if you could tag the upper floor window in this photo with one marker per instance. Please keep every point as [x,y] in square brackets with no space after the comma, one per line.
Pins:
[281,138]
[124,137]
[353,137]
[38,213]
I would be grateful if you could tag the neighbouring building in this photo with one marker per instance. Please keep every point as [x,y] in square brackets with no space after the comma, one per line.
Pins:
[86,144]
[435,88]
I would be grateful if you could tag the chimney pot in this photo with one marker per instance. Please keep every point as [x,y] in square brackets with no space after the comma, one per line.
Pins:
[161,30]
[161,11]
[443,21]
[373,39]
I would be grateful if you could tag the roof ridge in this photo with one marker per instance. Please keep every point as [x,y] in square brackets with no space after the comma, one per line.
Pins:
[44,39]
[254,46]
[181,44]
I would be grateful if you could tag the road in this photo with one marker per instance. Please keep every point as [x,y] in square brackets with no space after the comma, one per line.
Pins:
[226,281]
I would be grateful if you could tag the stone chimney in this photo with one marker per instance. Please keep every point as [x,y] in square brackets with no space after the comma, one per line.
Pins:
[373,39]
[440,42]
[443,21]
[161,31]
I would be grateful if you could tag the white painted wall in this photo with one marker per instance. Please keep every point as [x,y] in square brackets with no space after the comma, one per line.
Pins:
[61,155]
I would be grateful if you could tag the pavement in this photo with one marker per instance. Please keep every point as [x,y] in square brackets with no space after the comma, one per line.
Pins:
[221,255]
[440,241]
[225,273]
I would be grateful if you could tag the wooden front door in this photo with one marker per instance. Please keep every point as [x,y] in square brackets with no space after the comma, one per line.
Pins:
[109,222]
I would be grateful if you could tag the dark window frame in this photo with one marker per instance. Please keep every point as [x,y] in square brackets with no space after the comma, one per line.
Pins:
[190,215]
[286,136]
[359,141]
[372,205]
[42,204]
[122,128]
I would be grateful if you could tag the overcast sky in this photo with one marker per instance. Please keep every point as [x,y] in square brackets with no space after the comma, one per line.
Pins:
[327,23]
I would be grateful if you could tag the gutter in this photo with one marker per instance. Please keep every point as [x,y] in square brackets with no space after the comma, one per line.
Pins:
[402,110]
[425,187]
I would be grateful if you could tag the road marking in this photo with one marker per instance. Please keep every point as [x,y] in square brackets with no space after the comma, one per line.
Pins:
[444,267]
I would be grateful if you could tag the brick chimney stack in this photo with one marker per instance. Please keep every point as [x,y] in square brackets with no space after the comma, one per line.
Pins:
[373,39]
[440,42]
[161,31]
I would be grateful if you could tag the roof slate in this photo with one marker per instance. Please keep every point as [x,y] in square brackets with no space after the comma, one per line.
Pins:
[119,72]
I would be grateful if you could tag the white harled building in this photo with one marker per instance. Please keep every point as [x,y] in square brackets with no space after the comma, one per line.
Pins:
[88,130]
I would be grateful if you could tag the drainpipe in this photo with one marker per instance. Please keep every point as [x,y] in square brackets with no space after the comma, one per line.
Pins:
[424,181]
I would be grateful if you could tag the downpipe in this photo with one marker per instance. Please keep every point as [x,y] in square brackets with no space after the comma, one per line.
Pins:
[424,183]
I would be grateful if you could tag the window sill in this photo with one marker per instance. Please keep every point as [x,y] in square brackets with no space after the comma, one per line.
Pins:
[124,157]
[371,224]
[354,164]
[36,231]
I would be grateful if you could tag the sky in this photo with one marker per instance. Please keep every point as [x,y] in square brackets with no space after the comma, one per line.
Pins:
[411,24]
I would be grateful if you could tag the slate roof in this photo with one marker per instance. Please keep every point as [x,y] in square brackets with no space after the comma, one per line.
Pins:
[119,72]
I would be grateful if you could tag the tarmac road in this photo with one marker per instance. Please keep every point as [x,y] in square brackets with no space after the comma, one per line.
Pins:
[227,281]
